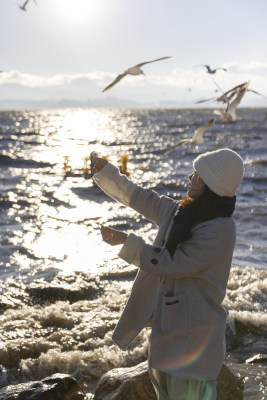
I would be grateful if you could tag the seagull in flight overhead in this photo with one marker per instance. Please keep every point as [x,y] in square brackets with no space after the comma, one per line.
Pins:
[136,70]
[23,7]
[197,137]
[211,71]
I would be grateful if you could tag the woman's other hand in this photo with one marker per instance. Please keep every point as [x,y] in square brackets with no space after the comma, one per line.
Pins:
[112,236]
[97,162]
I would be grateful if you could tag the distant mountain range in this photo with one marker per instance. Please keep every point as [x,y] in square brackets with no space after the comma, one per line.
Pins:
[112,102]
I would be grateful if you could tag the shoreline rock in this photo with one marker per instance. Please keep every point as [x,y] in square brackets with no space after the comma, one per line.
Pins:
[134,384]
[55,387]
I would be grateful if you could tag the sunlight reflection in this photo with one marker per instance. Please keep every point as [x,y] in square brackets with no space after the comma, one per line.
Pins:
[82,131]
[73,247]
[65,231]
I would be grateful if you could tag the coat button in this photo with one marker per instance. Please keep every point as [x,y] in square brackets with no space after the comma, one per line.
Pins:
[157,249]
[154,261]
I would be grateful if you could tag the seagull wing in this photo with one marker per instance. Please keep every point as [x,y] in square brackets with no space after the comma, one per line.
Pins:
[147,62]
[203,101]
[254,91]
[116,80]
[198,135]
[23,7]
[236,88]
[226,99]
[218,112]
[176,145]
[235,103]
[209,70]
[217,69]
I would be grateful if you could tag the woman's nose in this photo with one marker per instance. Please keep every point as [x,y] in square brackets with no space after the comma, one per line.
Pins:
[190,177]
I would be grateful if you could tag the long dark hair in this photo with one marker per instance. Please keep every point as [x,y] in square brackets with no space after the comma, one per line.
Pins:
[193,211]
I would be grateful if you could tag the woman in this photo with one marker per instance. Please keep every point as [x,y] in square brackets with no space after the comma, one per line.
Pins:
[182,278]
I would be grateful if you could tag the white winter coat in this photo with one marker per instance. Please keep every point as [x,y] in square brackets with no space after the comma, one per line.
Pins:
[183,293]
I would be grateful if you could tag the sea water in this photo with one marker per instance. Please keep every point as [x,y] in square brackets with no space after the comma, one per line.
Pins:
[51,212]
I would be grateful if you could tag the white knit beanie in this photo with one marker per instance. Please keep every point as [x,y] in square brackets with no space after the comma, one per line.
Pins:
[221,170]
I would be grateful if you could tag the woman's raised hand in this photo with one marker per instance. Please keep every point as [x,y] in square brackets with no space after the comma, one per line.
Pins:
[112,236]
[97,162]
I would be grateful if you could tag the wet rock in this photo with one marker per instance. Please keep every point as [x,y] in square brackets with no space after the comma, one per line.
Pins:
[229,386]
[231,338]
[248,328]
[248,346]
[55,387]
[60,289]
[257,359]
[134,384]
[52,294]
[126,383]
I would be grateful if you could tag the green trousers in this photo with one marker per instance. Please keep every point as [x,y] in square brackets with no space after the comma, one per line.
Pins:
[168,387]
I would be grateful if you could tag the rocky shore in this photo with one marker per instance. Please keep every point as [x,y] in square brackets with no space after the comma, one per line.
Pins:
[119,384]
[56,338]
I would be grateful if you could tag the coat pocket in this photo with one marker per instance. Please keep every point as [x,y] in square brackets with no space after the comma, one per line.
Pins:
[174,315]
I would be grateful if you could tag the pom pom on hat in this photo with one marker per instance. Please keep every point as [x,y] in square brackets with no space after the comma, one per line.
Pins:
[221,170]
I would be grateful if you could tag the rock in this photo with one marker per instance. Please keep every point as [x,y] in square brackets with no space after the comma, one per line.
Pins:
[248,328]
[126,383]
[55,387]
[134,384]
[229,386]
[248,347]
[47,295]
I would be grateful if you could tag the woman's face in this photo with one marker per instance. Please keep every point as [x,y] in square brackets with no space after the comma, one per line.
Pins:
[195,186]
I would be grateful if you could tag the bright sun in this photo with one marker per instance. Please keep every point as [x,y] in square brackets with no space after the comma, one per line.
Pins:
[75,10]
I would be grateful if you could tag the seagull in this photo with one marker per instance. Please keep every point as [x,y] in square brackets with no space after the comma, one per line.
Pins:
[226,97]
[23,7]
[229,114]
[136,70]
[235,90]
[197,137]
[211,71]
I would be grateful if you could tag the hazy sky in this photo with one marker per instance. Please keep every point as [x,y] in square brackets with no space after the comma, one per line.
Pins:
[74,48]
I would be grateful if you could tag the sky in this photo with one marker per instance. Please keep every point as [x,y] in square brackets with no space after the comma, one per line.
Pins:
[64,52]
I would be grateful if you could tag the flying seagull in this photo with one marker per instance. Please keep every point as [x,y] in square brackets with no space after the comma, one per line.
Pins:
[136,70]
[211,71]
[197,137]
[233,101]
[234,90]
[23,7]
[226,97]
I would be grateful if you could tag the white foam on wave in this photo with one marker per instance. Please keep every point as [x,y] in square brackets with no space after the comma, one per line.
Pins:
[246,297]
[68,338]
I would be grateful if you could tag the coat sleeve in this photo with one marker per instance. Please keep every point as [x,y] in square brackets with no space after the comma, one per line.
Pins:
[119,187]
[209,243]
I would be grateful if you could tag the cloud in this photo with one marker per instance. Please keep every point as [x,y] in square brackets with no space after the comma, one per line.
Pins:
[252,66]
[177,82]
[35,81]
